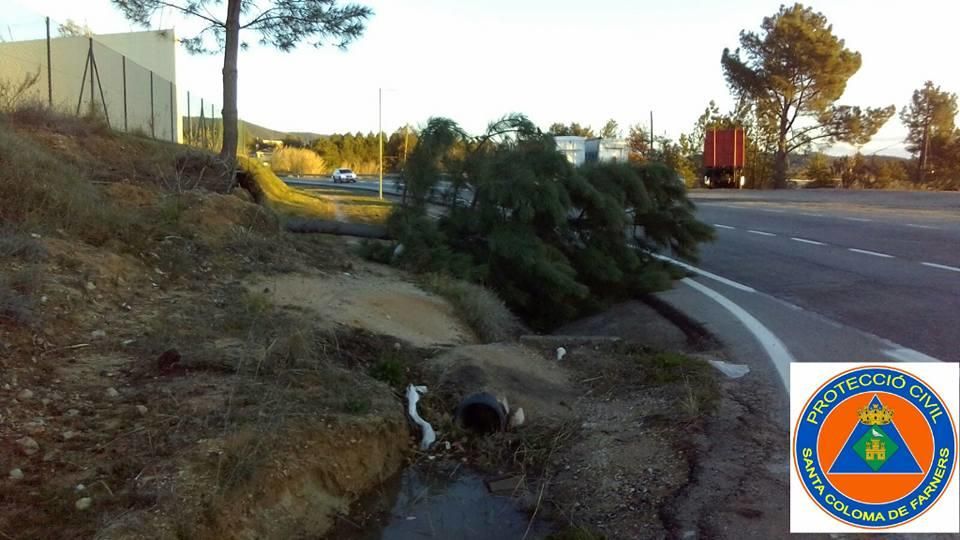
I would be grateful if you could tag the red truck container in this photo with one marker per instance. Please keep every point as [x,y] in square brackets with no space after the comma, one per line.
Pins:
[723,156]
[724,149]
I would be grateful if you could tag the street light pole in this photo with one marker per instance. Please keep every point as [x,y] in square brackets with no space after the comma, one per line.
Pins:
[380,134]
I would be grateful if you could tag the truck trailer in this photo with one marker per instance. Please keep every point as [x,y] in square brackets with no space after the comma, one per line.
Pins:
[723,157]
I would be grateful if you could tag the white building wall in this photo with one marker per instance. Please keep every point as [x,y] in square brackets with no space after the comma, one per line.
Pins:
[572,147]
[144,51]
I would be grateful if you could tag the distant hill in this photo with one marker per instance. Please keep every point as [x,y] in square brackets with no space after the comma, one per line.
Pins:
[307,135]
[250,131]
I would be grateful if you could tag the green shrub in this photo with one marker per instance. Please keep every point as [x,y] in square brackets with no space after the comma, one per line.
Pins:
[357,405]
[390,370]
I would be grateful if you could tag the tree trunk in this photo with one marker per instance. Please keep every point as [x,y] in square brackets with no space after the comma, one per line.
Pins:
[924,154]
[780,165]
[322,226]
[780,157]
[228,152]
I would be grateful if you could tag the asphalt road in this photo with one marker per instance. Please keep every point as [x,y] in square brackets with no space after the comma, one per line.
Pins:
[833,276]
[363,184]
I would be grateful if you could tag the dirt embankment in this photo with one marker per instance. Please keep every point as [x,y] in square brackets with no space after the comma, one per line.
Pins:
[146,389]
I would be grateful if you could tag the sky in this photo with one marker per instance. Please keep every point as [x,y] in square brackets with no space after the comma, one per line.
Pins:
[553,60]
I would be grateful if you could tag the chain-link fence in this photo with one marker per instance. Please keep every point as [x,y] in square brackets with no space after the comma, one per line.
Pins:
[126,79]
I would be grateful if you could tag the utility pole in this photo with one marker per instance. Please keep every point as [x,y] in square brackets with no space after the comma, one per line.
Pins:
[651,133]
[380,134]
[49,69]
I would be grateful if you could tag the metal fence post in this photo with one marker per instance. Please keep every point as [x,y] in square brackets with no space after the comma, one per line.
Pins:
[103,100]
[189,126]
[90,62]
[173,119]
[125,127]
[153,116]
[49,69]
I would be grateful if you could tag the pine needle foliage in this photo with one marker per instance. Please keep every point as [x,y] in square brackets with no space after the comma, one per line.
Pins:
[553,240]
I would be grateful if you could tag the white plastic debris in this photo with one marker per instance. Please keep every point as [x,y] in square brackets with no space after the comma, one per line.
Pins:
[561,352]
[517,418]
[733,371]
[413,396]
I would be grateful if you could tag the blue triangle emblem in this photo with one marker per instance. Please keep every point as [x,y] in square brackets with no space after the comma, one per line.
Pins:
[875,450]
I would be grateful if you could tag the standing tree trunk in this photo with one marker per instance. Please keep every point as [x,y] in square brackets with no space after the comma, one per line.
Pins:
[780,157]
[780,165]
[228,151]
[924,151]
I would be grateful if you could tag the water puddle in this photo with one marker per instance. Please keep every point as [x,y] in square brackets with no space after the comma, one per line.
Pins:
[433,503]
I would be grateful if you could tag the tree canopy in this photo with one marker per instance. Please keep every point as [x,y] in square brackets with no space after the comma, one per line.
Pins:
[610,130]
[792,72]
[573,129]
[362,152]
[639,141]
[930,123]
[282,24]
[72,28]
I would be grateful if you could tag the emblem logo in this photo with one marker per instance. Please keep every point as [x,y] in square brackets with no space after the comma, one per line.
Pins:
[875,447]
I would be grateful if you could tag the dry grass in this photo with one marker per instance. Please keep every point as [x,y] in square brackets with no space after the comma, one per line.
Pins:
[337,205]
[477,306]
[270,190]
[41,192]
[362,208]
[249,372]
[624,369]
[15,306]
[17,245]
[298,161]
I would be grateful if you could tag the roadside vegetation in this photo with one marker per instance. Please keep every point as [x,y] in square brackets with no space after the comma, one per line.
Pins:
[554,241]
[298,162]
[357,151]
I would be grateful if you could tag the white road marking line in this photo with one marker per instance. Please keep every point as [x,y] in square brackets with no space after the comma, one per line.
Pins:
[723,226]
[704,273]
[918,226]
[761,233]
[774,348]
[909,355]
[868,252]
[805,241]
[772,210]
[857,219]
[811,214]
[941,266]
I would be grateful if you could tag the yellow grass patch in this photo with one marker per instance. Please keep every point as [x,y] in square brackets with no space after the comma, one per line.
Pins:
[339,205]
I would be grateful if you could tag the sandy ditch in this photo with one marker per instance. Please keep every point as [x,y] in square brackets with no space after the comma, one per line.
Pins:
[377,302]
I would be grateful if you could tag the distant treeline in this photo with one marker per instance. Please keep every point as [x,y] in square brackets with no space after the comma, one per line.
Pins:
[357,151]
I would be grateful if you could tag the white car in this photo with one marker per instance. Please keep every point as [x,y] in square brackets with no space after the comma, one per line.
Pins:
[343,176]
